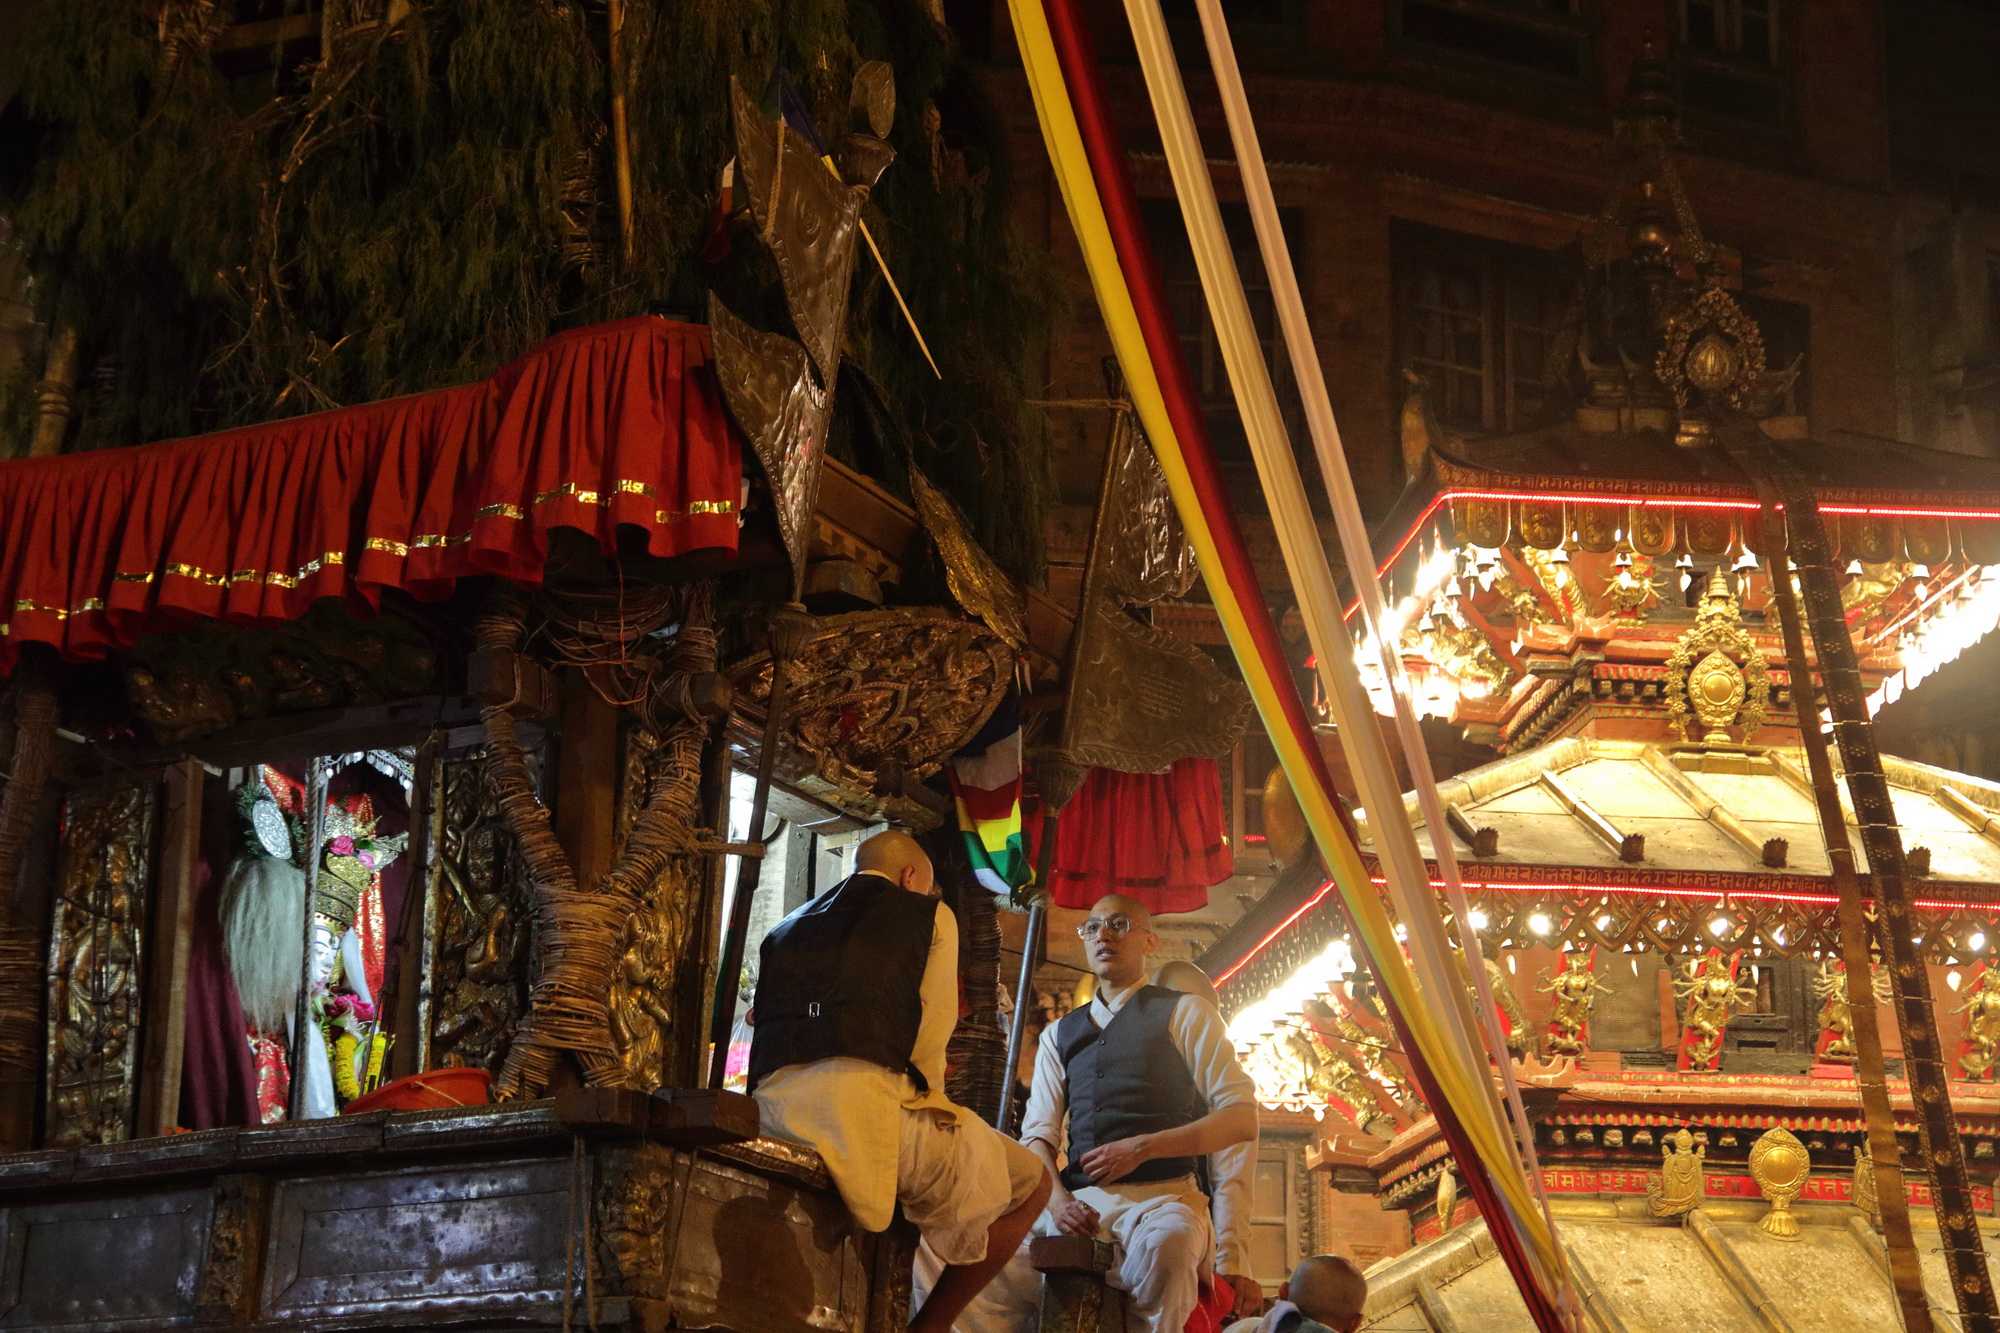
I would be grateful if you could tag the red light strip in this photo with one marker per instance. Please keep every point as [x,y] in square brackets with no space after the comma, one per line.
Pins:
[1645,502]
[1624,890]
[1276,931]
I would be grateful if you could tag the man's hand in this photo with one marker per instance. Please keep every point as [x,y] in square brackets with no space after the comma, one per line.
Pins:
[1111,1162]
[1074,1219]
[1249,1295]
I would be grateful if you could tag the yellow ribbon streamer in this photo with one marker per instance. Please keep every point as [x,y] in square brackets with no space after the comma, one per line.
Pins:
[1466,1090]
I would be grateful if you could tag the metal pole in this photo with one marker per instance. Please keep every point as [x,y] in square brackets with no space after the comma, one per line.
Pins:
[302,1023]
[790,630]
[1031,948]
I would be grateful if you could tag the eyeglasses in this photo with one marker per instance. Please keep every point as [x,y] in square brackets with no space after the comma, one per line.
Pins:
[1094,926]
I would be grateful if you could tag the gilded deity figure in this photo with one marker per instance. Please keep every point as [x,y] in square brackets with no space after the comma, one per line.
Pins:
[1982,1026]
[1574,990]
[1836,1018]
[1710,994]
[1678,1187]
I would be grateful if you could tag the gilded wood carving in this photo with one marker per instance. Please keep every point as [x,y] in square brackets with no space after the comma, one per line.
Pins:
[1704,677]
[878,695]
[94,978]
[657,932]
[481,922]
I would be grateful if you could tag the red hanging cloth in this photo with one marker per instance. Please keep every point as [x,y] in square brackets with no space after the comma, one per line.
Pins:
[1155,837]
[617,425]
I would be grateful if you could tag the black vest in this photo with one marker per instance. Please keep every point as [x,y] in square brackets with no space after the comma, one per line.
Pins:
[844,975]
[1127,1079]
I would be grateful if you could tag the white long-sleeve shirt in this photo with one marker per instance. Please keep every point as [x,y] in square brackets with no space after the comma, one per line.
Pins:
[849,1110]
[1203,1043]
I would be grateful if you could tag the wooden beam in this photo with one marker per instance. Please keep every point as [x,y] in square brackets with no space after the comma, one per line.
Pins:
[1770,851]
[405,1007]
[1629,846]
[1432,1307]
[1977,817]
[586,778]
[164,1041]
[1735,1275]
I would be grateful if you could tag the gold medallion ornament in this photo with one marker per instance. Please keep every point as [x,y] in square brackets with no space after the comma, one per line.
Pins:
[1706,677]
[1780,1166]
[1541,524]
[1713,355]
[1652,529]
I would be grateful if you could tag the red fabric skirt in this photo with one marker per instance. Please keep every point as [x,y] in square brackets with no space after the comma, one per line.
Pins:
[615,425]
[1157,838]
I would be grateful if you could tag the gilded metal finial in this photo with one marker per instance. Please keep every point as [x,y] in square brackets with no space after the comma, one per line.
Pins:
[1780,1166]
[1703,677]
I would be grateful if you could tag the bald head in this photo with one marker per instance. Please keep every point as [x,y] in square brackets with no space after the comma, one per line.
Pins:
[1117,904]
[1329,1290]
[895,855]
[1185,977]
[1117,939]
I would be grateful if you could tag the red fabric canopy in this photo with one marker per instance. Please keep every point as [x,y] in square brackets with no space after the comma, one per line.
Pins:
[617,424]
[1157,838]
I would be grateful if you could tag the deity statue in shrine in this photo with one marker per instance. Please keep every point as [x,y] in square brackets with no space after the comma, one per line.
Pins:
[1678,1188]
[1710,994]
[1574,993]
[1980,1046]
[350,942]
[262,912]
[1836,1017]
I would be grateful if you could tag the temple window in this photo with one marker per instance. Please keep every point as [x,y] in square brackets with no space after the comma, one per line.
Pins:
[1280,1211]
[1542,36]
[1189,305]
[1739,28]
[1730,60]
[1475,319]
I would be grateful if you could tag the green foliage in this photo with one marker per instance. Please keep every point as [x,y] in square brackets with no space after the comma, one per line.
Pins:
[427,197]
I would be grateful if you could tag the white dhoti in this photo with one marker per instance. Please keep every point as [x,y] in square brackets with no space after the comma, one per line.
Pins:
[1162,1248]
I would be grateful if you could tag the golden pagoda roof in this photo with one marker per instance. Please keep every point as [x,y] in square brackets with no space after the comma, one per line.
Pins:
[1831,1278]
[1559,804]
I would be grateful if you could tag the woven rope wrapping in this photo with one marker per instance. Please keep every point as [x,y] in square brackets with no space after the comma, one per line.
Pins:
[34,747]
[20,952]
[581,929]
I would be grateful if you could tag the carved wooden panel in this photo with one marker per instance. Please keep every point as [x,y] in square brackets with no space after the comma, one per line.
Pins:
[485,1238]
[656,935]
[104,1263]
[481,922]
[94,963]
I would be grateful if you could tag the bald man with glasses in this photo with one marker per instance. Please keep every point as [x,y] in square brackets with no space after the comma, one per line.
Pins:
[1130,1092]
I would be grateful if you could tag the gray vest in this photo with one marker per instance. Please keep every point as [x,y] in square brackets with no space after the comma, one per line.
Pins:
[1127,1079]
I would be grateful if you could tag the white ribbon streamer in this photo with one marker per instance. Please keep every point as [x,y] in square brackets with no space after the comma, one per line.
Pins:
[1305,557]
[1355,545]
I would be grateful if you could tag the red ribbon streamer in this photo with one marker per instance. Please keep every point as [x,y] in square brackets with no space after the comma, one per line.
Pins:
[1083,77]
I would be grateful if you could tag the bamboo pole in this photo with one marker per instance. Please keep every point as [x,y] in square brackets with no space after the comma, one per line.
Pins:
[1904,1270]
[1780,482]
[791,628]
[621,133]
